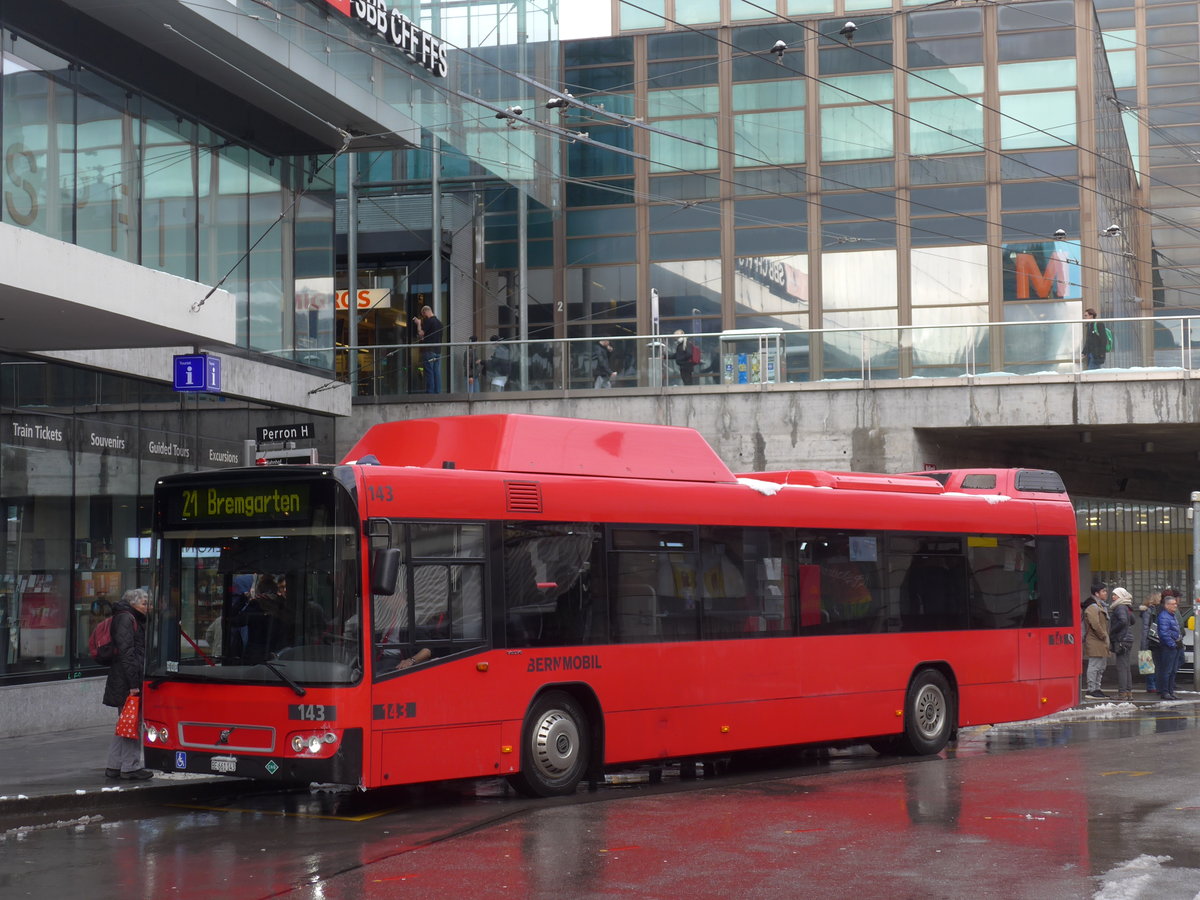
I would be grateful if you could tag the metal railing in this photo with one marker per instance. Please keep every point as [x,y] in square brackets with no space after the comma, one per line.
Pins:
[772,356]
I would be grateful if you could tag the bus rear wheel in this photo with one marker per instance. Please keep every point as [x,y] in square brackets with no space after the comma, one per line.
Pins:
[928,714]
[555,743]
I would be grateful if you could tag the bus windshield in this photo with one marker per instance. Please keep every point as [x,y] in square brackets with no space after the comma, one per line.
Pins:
[256,585]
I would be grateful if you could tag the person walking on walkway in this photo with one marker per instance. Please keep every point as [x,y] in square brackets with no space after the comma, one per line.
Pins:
[1095,639]
[686,356]
[602,370]
[429,335]
[1170,639]
[1095,339]
[1120,636]
[125,678]
[472,366]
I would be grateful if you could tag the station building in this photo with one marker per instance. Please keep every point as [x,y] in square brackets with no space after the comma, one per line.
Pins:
[850,177]
[169,190]
[284,185]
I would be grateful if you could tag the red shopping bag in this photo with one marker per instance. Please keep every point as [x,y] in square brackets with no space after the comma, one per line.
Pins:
[127,722]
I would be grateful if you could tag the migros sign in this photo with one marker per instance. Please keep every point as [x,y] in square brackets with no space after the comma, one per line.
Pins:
[419,45]
[1042,270]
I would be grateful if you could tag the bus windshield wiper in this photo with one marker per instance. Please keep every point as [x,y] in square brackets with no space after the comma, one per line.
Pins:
[284,676]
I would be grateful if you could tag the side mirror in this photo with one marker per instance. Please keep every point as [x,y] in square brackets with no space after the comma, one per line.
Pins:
[385,567]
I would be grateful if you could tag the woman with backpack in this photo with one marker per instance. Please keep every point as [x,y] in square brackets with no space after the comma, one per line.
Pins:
[125,678]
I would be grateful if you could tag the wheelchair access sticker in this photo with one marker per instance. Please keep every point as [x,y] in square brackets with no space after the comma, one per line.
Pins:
[180,759]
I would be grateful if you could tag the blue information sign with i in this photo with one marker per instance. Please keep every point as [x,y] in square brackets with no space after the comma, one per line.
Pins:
[198,372]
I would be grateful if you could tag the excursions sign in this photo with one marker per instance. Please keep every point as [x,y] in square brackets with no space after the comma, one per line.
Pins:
[419,45]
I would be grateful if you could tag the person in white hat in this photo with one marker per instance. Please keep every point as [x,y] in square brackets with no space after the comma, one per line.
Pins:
[1120,636]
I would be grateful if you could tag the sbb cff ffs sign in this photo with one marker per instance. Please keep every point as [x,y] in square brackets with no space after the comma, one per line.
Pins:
[415,42]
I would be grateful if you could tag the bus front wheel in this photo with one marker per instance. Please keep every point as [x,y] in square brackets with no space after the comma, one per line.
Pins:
[554,747]
[928,714]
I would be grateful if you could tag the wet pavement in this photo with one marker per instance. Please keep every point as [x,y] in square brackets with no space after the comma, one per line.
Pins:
[1097,802]
[66,769]
[1094,802]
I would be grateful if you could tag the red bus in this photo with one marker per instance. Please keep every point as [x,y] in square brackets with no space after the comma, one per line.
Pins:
[541,598]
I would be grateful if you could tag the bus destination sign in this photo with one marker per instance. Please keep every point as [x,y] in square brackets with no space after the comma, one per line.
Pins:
[236,504]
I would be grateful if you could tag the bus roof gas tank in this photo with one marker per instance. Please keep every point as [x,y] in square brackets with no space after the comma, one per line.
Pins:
[545,445]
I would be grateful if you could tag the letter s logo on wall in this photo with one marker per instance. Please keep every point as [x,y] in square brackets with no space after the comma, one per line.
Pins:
[18,152]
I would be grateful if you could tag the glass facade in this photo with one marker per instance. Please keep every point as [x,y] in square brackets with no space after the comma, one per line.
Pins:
[80,452]
[926,173]
[95,163]
[1142,546]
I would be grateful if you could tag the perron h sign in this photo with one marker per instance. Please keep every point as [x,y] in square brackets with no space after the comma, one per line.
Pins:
[198,372]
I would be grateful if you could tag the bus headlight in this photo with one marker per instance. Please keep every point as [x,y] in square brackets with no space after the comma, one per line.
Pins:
[312,743]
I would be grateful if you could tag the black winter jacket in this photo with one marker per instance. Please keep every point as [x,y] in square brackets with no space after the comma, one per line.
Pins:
[1120,626]
[129,636]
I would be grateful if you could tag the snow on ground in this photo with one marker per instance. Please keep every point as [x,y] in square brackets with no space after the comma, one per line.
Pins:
[23,831]
[1102,710]
[1148,878]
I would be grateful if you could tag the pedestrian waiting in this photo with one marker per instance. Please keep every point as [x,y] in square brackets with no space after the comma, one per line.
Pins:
[1095,639]
[1120,638]
[1170,642]
[1149,612]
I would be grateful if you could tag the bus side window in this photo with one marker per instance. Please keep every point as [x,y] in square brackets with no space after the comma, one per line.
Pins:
[390,613]
[431,602]
[1005,582]
[549,595]
[851,601]
[637,615]
[466,613]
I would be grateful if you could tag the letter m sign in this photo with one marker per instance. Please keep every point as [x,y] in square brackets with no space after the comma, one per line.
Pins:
[1034,282]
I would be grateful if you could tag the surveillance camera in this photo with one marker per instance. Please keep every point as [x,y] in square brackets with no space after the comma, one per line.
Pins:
[1060,233]
[1113,230]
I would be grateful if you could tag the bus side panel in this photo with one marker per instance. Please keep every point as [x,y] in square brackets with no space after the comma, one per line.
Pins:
[985,704]
[1062,654]
[447,719]
[435,754]
[854,665]
[715,729]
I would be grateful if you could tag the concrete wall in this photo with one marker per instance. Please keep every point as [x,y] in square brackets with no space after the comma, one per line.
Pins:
[248,378]
[58,296]
[55,706]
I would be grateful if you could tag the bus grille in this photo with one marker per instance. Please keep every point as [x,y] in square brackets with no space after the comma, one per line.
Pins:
[523,496]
